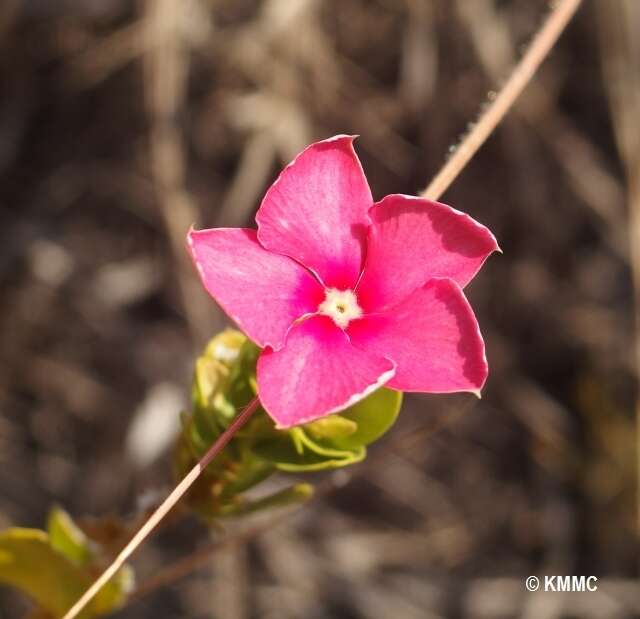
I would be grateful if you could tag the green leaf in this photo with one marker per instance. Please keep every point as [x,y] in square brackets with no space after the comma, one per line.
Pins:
[216,375]
[336,440]
[289,496]
[248,472]
[209,373]
[114,594]
[282,452]
[222,383]
[331,427]
[194,438]
[374,416]
[224,407]
[67,538]
[322,447]
[30,563]
[225,346]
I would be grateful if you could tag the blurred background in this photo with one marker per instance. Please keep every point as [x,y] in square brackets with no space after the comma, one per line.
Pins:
[123,122]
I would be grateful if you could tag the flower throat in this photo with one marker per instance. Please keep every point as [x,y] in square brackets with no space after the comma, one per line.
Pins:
[340,305]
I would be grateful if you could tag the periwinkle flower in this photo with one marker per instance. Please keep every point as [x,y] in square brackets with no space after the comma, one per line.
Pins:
[346,295]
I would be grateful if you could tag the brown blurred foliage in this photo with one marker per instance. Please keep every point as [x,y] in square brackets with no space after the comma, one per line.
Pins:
[122,123]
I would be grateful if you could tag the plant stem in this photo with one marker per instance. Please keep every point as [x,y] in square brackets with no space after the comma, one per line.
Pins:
[200,557]
[538,50]
[166,506]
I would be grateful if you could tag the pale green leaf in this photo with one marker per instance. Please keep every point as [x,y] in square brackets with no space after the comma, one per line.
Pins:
[67,538]
[331,427]
[31,564]
[289,496]
[374,416]
[282,452]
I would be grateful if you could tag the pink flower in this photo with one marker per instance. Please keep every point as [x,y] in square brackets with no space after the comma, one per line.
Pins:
[345,295]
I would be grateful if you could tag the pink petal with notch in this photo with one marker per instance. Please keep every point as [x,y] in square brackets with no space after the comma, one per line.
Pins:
[432,336]
[316,212]
[412,240]
[261,291]
[316,373]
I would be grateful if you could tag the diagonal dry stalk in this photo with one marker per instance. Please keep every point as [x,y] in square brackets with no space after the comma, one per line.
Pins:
[540,47]
[583,164]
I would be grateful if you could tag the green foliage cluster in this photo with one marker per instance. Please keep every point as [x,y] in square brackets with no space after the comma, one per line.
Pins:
[224,383]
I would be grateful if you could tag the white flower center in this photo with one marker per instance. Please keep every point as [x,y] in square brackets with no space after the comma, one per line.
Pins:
[341,305]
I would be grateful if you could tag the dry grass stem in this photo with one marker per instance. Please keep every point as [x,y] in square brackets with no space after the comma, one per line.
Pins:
[540,47]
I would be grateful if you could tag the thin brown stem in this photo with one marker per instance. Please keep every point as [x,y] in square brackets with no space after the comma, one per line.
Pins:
[199,558]
[540,47]
[166,506]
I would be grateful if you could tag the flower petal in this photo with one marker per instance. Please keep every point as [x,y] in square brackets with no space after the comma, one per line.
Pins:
[316,373]
[316,212]
[413,240]
[432,336]
[261,291]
